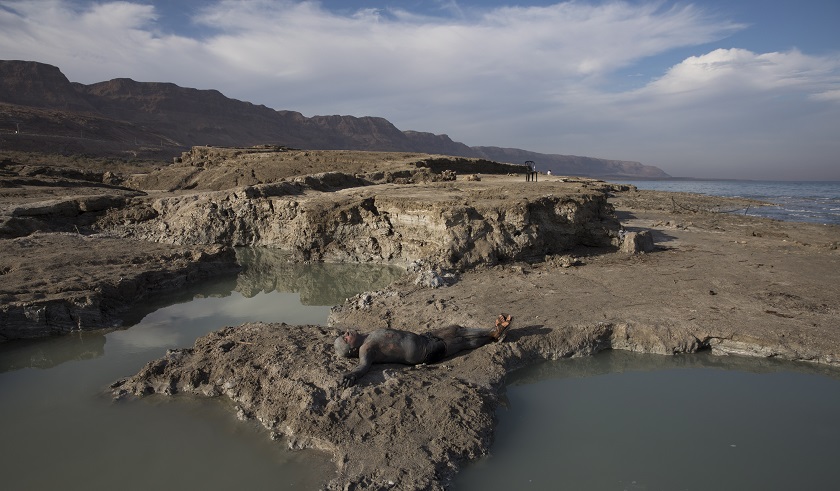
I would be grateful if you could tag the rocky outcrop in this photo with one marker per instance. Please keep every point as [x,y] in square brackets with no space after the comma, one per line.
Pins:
[57,215]
[28,83]
[637,242]
[188,116]
[41,198]
[458,224]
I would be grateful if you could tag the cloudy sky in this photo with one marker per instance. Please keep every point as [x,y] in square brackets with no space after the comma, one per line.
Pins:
[711,88]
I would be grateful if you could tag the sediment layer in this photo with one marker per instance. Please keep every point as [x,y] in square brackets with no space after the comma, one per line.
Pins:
[62,282]
[449,224]
[402,210]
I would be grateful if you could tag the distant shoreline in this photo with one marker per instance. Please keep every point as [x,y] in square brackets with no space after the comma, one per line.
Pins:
[792,201]
[712,179]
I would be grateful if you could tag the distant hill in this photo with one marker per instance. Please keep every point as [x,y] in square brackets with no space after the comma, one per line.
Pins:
[41,110]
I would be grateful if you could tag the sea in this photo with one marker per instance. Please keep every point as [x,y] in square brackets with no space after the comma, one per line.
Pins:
[795,201]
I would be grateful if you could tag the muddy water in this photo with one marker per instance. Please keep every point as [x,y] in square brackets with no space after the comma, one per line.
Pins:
[60,430]
[622,421]
[611,422]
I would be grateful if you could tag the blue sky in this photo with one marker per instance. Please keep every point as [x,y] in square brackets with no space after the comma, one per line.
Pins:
[725,89]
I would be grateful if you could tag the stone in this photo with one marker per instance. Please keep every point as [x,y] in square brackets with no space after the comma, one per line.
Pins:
[637,242]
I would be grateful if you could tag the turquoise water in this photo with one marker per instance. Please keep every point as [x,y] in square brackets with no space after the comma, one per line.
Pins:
[805,201]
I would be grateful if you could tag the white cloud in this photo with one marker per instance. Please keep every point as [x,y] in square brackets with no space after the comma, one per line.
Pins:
[740,70]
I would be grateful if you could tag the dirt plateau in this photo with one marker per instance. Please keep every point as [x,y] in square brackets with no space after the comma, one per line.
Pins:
[582,265]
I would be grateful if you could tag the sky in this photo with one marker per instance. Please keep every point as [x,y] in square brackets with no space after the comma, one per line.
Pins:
[745,89]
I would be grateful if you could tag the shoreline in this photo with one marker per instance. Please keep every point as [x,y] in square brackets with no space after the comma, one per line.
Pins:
[753,287]
[790,201]
[714,179]
[582,265]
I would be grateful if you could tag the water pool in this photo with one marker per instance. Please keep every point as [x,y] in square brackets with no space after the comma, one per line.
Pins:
[625,421]
[60,430]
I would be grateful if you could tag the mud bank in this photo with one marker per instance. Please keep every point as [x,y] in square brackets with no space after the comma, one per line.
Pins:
[401,427]
[60,282]
[718,282]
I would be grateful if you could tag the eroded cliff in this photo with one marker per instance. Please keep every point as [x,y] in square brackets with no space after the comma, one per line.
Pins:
[401,210]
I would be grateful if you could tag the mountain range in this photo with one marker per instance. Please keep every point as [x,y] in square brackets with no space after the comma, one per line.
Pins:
[41,110]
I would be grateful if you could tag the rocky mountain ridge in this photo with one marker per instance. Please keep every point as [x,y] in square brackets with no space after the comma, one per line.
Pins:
[41,110]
